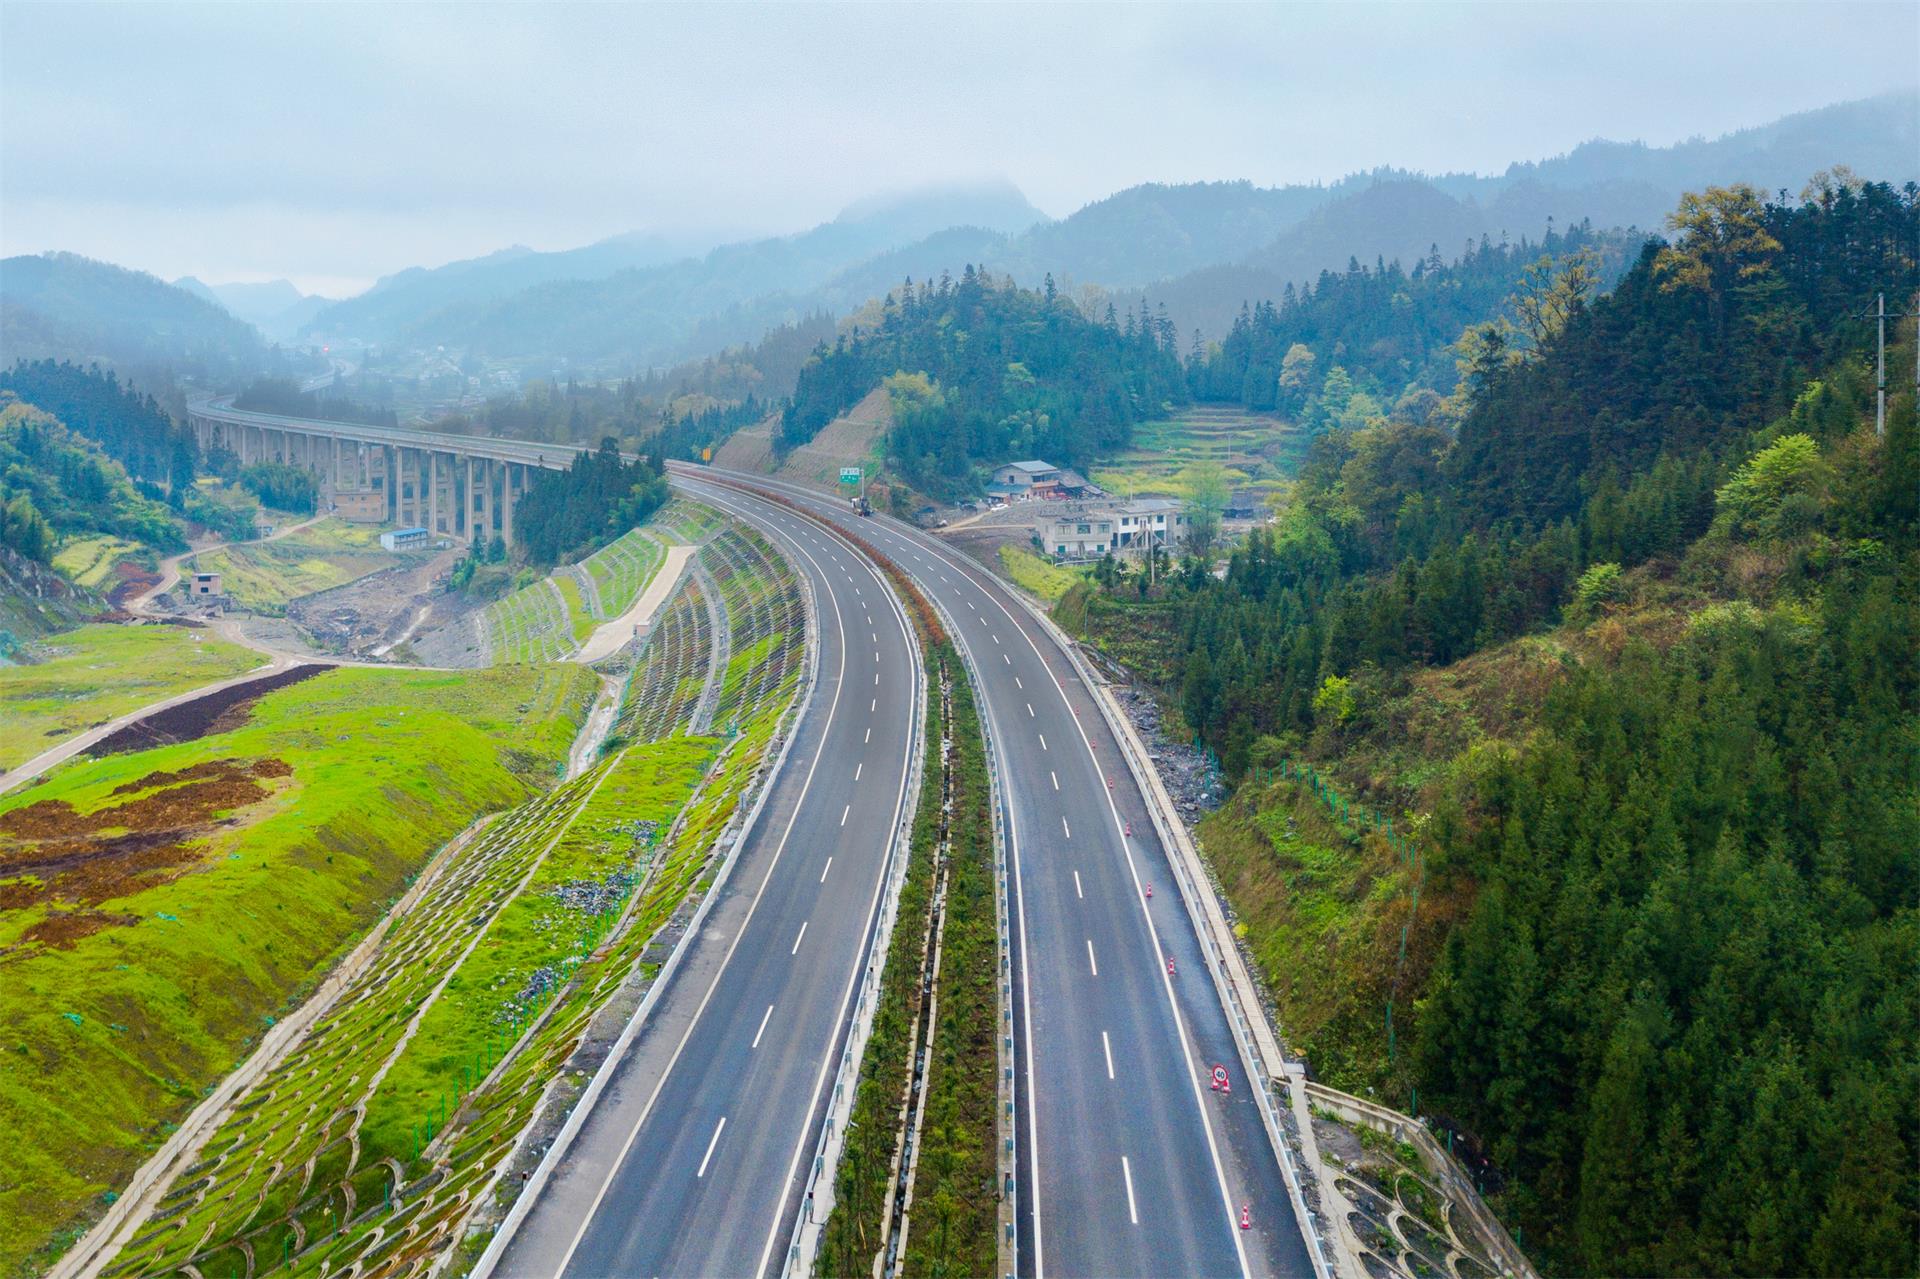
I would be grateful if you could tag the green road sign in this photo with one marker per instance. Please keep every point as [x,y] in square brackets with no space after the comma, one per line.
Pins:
[849,475]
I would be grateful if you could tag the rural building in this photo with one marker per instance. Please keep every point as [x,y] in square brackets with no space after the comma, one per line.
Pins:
[1244,504]
[207,585]
[360,506]
[1127,529]
[1083,536]
[1026,479]
[1145,521]
[404,539]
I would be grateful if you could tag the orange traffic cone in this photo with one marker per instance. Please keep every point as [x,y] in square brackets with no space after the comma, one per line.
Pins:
[1246,1216]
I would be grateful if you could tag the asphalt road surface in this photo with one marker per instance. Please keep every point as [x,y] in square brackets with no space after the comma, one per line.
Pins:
[693,1160]
[1134,1165]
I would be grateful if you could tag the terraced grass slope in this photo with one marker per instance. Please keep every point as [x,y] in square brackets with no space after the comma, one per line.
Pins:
[620,570]
[265,576]
[374,1141]
[85,677]
[158,910]
[550,619]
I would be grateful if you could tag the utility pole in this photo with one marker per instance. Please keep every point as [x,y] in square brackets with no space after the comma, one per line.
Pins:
[1880,388]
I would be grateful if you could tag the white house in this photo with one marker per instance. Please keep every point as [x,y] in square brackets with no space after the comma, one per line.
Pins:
[1155,521]
[1069,536]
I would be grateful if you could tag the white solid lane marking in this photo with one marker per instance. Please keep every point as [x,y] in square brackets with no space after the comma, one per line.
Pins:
[710,1145]
[1056,778]
[1091,961]
[1126,1170]
[825,869]
[803,933]
[844,812]
[763,1020]
[1105,1047]
[1076,886]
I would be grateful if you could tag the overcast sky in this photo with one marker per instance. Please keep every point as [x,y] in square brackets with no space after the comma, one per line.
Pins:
[334,143]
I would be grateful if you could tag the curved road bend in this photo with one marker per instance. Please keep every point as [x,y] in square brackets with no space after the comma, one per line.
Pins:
[692,1161]
[1140,1168]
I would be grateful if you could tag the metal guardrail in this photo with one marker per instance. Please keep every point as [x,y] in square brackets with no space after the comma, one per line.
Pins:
[553,457]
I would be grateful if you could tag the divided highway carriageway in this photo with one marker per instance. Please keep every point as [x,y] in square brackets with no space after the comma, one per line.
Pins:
[1133,1165]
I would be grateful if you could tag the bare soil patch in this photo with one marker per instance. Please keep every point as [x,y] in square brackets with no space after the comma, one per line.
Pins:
[54,853]
[218,711]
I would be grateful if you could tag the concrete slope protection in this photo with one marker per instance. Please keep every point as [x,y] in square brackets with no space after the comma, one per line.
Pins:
[1135,1164]
[694,1158]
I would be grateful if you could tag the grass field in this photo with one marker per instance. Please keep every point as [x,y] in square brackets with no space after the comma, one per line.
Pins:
[1037,576]
[90,561]
[159,909]
[266,576]
[1258,451]
[99,672]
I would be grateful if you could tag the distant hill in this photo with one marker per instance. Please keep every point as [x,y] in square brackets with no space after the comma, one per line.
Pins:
[648,279]
[277,308]
[64,306]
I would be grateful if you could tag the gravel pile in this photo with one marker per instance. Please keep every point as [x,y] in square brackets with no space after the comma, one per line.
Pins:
[1188,774]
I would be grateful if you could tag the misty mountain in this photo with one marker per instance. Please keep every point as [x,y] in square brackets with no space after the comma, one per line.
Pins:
[276,307]
[1202,248]
[450,304]
[63,306]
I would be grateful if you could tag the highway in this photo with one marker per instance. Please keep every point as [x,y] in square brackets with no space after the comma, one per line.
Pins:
[693,1159]
[1134,1165]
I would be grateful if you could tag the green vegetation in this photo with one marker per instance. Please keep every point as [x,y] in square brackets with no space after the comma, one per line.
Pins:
[91,561]
[1630,661]
[267,576]
[57,485]
[464,1020]
[569,513]
[1359,343]
[163,907]
[88,676]
[1042,578]
[955,1204]
[1060,386]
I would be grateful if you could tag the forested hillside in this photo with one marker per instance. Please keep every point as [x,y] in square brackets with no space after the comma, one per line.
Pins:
[1633,661]
[1392,331]
[986,372]
[55,484]
[62,306]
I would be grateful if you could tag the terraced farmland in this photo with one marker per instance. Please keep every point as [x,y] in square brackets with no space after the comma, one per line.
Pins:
[1258,451]
[374,1141]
